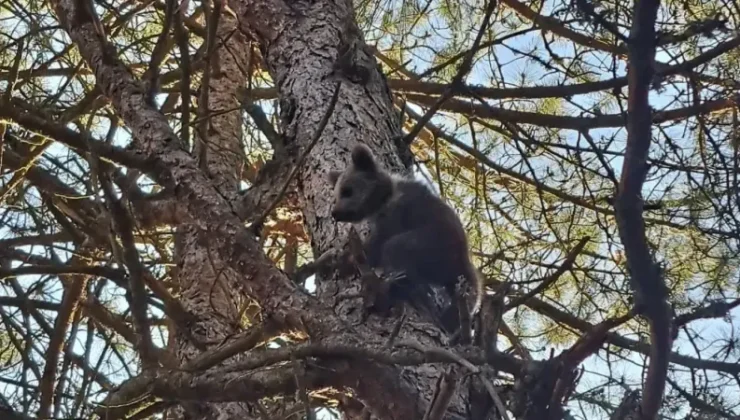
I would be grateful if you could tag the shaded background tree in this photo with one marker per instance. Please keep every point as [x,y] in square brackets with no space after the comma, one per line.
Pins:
[139,138]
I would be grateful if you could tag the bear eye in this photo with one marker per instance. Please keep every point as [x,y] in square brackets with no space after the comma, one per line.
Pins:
[345,192]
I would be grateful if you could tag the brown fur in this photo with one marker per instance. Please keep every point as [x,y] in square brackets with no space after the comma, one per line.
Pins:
[412,231]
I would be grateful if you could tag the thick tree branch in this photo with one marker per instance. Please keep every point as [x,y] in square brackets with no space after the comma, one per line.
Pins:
[555,26]
[332,352]
[73,293]
[77,141]
[568,122]
[213,386]
[645,275]
[615,339]
[712,310]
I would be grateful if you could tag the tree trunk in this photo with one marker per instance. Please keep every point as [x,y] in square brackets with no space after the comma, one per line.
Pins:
[309,48]
[210,289]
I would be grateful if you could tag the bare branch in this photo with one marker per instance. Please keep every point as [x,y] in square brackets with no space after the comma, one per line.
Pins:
[645,275]
[546,282]
[138,300]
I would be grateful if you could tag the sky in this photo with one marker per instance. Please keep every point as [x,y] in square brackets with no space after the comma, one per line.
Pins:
[709,328]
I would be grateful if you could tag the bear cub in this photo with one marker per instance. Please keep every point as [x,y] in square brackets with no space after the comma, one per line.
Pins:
[413,232]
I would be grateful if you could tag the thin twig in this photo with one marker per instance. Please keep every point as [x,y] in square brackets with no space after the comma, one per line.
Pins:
[500,406]
[161,48]
[212,18]
[73,293]
[13,75]
[301,158]
[567,264]
[238,345]
[600,156]
[136,269]
[396,328]
[441,352]
[444,391]
[182,35]
[301,389]
[457,81]
[265,126]
[456,358]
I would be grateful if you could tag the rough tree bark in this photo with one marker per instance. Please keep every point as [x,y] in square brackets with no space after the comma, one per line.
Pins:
[210,290]
[309,47]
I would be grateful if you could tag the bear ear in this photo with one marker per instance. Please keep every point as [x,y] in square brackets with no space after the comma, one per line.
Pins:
[362,158]
[334,177]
